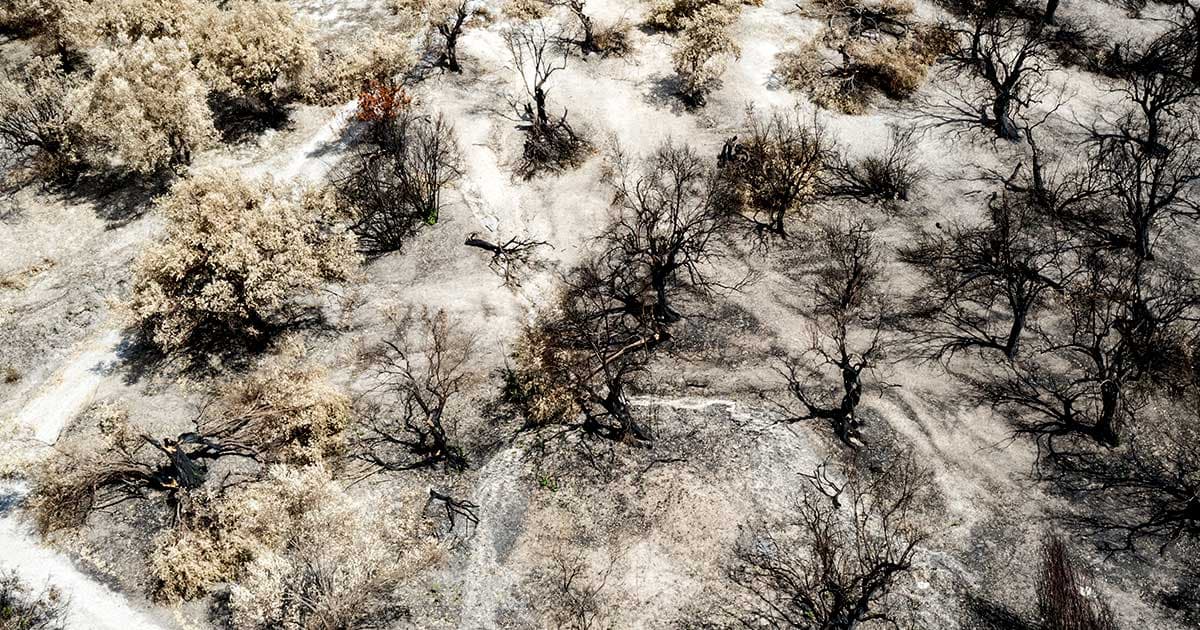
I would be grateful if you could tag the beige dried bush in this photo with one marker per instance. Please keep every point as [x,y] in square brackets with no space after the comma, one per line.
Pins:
[703,50]
[237,257]
[256,54]
[145,108]
[79,25]
[292,412]
[298,550]
[342,74]
[525,10]
[810,69]
[847,79]
[537,385]
[672,15]
[36,132]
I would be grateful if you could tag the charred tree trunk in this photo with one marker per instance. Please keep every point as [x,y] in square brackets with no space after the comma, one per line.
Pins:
[1110,407]
[1020,313]
[1002,118]
[1051,9]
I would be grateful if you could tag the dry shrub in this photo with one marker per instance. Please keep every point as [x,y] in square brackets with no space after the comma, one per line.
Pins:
[66,485]
[538,385]
[299,551]
[776,171]
[525,10]
[613,39]
[144,109]
[36,132]
[79,25]
[343,73]
[672,15]
[703,50]
[236,257]
[846,80]
[293,413]
[810,69]
[256,54]
[23,609]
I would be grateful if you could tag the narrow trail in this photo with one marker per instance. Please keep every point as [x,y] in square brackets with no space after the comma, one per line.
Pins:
[70,389]
[486,582]
[90,604]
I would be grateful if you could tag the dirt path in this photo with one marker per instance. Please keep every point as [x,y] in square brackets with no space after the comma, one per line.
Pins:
[487,584]
[90,604]
[70,389]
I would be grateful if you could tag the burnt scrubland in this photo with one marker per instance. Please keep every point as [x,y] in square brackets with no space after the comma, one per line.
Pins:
[702,314]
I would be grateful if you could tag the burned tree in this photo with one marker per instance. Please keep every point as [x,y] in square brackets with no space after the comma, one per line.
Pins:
[550,141]
[510,258]
[574,369]
[841,566]
[1146,163]
[448,19]
[985,282]
[1148,491]
[587,34]
[847,337]
[393,180]
[669,213]
[1123,323]
[777,170]
[411,427]
[1007,58]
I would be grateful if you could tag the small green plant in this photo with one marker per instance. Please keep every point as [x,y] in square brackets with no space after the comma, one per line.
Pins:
[548,483]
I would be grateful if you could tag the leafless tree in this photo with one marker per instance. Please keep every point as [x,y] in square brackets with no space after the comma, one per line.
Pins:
[777,169]
[576,600]
[587,27]
[985,282]
[550,141]
[1148,491]
[1121,325]
[1043,182]
[840,569]
[393,180]
[411,427]
[1146,163]
[848,333]
[449,24]
[670,211]
[1007,58]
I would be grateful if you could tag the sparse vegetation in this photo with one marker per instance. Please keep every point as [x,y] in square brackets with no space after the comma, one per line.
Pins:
[434,313]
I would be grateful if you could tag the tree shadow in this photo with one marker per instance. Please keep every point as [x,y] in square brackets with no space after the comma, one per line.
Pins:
[238,122]
[118,198]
